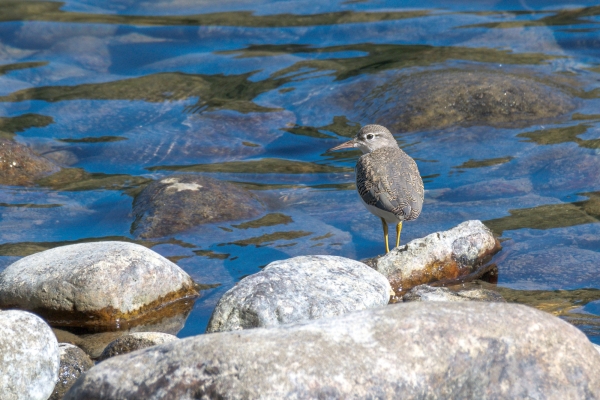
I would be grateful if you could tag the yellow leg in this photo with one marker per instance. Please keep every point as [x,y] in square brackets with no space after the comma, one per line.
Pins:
[385,235]
[398,231]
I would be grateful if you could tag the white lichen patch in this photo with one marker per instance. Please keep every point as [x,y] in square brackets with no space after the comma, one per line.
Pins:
[179,186]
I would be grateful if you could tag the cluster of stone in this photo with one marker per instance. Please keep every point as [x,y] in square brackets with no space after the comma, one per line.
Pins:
[305,327]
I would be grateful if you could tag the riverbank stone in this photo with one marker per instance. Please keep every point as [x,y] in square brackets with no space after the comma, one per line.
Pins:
[430,293]
[135,341]
[100,285]
[19,165]
[439,257]
[299,289]
[180,202]
[442,98]
[422,350]
[73,363]
[29,357]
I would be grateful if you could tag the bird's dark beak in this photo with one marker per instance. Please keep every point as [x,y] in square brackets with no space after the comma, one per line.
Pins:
[350,144]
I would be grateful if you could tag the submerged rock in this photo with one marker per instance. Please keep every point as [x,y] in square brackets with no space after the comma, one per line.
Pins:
[441,256]
[21,166]
[29,357]
[73,363]
[299,289]
[430,293]
[180,202]
[438,99]
[101,285]
[135,341]
[445,350]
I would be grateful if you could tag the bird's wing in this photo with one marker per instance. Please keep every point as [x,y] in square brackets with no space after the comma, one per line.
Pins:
[389,180]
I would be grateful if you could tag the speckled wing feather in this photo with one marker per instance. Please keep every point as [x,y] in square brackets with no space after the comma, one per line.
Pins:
[389,180]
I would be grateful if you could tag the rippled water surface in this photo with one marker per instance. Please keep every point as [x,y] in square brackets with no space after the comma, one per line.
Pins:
[498,102]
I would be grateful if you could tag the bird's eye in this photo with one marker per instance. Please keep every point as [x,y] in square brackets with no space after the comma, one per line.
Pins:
[370,136]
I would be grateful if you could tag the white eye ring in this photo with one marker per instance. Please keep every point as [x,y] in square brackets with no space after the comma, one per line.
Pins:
[370,136]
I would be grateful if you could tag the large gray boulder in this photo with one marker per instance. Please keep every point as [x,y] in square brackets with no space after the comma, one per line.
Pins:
[299,289]
[420,350]
[440,256]
[29,357]
[73,363]
[180,202]
[100,285]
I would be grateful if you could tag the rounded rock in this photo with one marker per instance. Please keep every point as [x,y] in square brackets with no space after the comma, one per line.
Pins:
[73,363]
[135,341]
[180,202]
[434,350]
[299,289]
[29,357]
[438,99]
[19,165]
[100,285]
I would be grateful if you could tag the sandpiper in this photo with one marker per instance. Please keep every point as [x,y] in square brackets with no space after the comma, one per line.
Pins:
[387,179]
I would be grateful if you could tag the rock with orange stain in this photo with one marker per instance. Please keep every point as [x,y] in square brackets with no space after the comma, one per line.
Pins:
[460,252]
[101,286]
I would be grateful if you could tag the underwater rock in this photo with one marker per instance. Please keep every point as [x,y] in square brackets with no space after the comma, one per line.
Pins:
[21,166]
[100,285]
[440,256]
[73,363]
[489,190]
[299,289]
[180,202]
[430,293]
[438,99]
[29,357]
[135,341]
[447,350]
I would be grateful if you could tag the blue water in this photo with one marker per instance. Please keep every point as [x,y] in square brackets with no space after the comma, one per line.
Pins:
[215,82]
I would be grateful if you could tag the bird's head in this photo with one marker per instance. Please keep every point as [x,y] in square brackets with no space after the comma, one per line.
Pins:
[368,139]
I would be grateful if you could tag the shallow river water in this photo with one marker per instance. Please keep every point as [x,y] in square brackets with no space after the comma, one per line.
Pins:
[119,93]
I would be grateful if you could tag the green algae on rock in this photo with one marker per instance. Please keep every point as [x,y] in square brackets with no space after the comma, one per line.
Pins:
[438,99]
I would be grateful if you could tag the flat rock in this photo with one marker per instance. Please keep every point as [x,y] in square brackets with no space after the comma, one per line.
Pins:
[441,256]
[180,202]
[299,289]
[135,341]
[438,99]
[29,357]
[19,165]
[73,363]
[105,285]
[430,293]
[424,350]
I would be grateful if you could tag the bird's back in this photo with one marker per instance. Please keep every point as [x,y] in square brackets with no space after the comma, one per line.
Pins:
[389,180]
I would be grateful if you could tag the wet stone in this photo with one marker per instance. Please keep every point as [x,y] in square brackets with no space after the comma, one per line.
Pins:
[135,341]
[100,285]
[430,293]
[29,357]
[73,363]
[180,202]
[489,189]
[412,348]
[438,257]
[438,99]
[299,289]
[21,166]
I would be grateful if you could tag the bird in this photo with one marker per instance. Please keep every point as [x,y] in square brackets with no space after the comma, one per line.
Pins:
[387,179]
